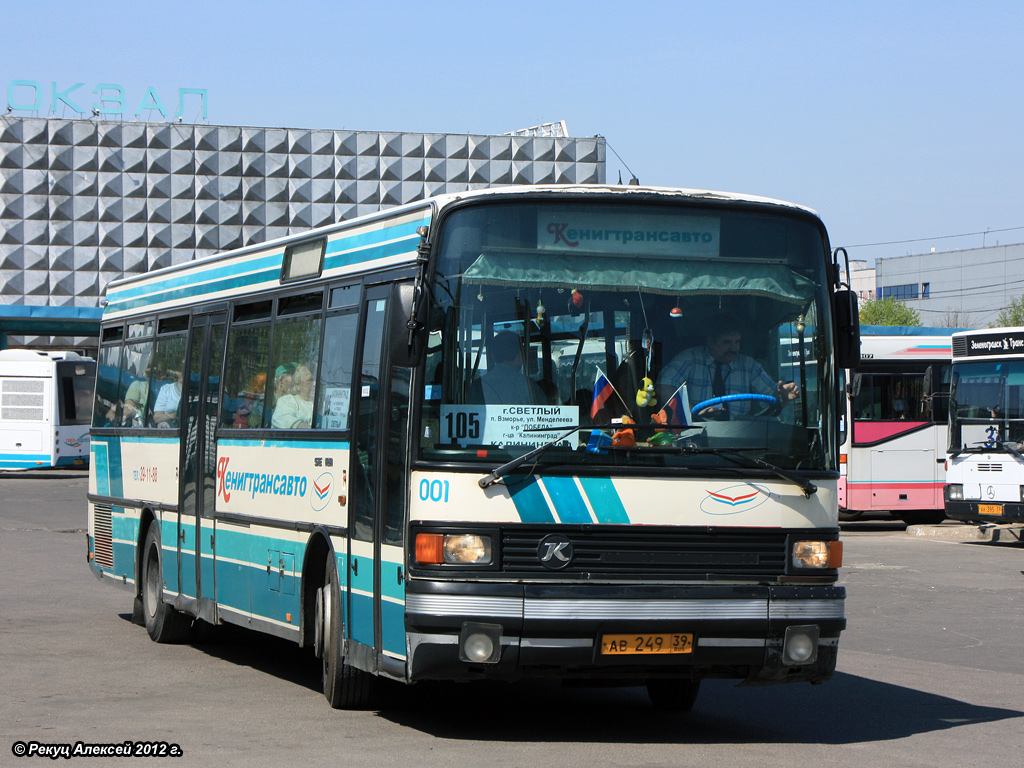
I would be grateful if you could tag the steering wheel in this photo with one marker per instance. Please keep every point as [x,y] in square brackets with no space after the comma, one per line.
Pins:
[755,396]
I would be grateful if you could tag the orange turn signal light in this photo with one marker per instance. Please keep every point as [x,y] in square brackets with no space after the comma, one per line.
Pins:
[430,548]
[835,554]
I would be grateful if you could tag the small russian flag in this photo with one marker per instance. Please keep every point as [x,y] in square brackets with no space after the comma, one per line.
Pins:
[603,390]
[677,409]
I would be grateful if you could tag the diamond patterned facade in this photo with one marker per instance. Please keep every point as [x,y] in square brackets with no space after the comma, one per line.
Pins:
[83,202]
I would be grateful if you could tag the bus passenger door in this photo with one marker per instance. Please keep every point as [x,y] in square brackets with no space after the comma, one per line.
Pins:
[200,403]
[376,567]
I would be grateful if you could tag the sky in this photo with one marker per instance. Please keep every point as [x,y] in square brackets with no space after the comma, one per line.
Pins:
[899,122]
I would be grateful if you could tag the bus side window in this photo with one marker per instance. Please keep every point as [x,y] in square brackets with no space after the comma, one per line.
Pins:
[335,385]
[246,377]
[168,370]
[108,368]
[293,366]
[134,388]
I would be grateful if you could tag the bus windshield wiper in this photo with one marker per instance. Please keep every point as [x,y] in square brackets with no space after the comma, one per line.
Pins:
[735,455]
[498,472]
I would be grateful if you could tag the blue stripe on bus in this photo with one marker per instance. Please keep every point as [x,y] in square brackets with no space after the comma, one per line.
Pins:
[392,618]
[361,248]
[101,466]
[266,264]
[567,500]
[390,585]
[604,500]
[297,442]
[24,460]
[529,500]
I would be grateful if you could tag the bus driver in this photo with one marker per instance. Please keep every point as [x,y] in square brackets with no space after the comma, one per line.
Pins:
[719,368]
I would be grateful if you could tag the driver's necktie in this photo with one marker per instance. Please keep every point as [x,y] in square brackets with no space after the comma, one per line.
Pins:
[718,382]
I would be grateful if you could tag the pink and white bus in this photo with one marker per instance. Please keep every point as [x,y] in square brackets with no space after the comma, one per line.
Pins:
[892,458]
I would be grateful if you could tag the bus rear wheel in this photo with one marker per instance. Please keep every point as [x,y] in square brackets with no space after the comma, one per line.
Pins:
[672,695]
[345,687]
[923,517]
[163,622]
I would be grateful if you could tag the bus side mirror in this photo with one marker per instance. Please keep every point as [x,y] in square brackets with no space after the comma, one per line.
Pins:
[847,329]
[407,327]
[929,381]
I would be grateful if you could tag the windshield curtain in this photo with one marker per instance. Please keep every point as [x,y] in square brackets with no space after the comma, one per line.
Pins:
[986,405]
[551,315]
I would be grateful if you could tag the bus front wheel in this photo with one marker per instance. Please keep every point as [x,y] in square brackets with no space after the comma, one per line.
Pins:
[163,622]
[345,687]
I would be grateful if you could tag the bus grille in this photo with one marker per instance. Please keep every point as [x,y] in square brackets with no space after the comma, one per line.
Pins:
[103,536]
[959,346]
[650,552]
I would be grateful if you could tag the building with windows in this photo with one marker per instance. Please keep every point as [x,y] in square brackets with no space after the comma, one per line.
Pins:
[83,202]
[959,288]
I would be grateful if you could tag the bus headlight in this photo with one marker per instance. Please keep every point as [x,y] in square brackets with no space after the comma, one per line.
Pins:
[817,554]
[453,549]
[954,492]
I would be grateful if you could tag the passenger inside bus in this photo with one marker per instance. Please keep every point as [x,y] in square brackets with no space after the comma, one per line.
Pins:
[133,411]
[717,369]
[165,409]
[505,382]
[282,386]
[295,410]
[251,397]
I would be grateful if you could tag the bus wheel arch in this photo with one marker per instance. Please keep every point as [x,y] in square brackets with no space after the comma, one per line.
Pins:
[164,623]
[344,686]
[318,553]
[146,519]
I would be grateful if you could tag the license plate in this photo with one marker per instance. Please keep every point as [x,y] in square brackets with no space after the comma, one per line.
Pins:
[990,509]
[622,645]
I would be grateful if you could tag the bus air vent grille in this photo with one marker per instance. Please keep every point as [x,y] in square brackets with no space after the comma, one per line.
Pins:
[959,347]
[103,541]
[649,552]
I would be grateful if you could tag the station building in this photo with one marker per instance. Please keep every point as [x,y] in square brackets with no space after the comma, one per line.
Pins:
[957,288]
[83,202]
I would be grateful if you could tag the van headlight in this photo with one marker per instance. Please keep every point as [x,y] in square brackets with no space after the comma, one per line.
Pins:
[954,492]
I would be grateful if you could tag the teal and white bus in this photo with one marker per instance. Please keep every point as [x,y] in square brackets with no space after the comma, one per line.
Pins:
[45,408]
[422,442]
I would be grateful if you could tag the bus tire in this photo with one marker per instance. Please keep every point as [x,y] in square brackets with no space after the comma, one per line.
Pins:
[923,517]
[345,687]
[672,694]
[849,515]
[164,623]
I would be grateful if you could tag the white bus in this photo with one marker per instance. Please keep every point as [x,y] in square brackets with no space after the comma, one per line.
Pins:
[303,437]
[45,408]
[894,450]
[985,473]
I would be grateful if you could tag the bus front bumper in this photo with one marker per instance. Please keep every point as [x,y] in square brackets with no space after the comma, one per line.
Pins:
[744,632]
[970,511]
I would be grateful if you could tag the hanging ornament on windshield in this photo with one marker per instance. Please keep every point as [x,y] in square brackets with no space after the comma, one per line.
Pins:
[676,312]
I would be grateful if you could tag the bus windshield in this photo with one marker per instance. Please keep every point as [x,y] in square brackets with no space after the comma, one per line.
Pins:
[614,319]
[987,405]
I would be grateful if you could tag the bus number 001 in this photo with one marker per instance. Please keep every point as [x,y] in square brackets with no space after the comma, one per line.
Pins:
[434,490]
[462,425]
